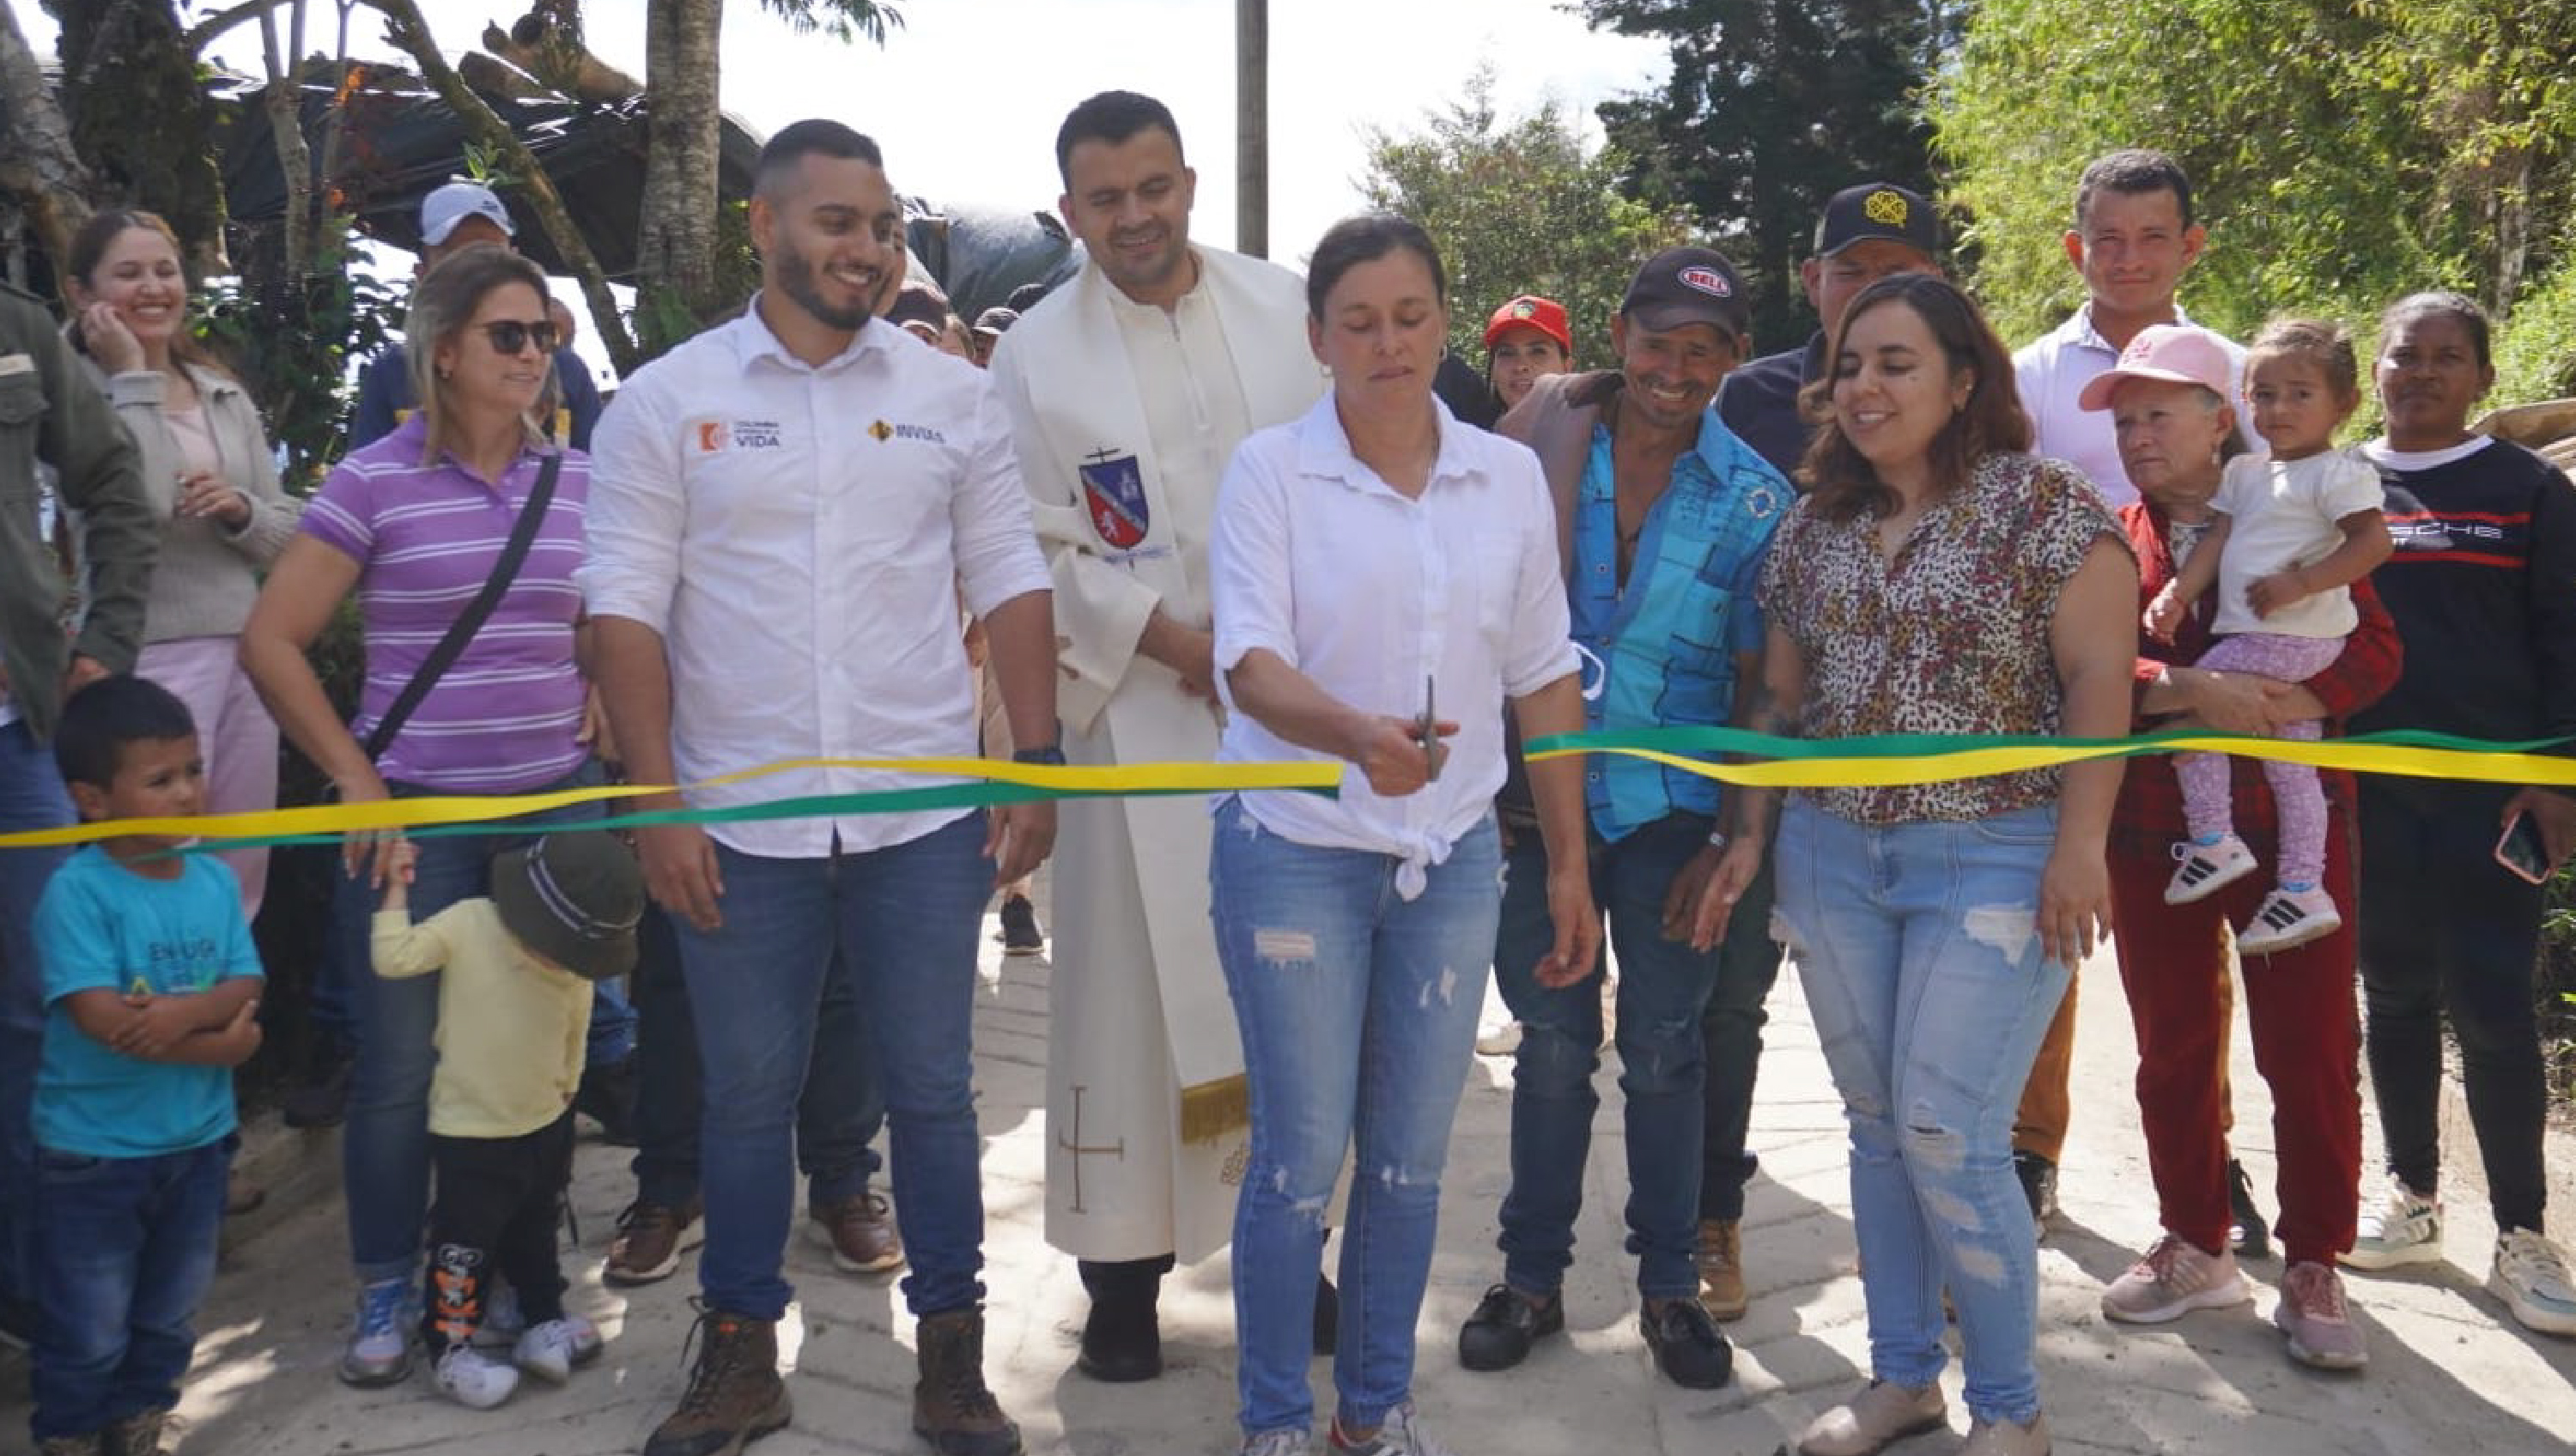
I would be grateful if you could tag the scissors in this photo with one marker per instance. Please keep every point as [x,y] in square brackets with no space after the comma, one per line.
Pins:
[1426,729]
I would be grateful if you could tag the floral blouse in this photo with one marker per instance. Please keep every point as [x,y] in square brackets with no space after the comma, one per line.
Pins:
[1950,637]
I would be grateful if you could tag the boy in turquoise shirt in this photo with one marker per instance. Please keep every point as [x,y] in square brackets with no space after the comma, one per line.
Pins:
[151,988]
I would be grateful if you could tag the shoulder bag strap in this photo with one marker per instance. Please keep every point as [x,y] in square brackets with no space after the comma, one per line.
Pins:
[523,534]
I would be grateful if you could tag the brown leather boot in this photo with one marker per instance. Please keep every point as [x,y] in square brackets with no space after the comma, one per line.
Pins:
[735,1395]
[951,1407]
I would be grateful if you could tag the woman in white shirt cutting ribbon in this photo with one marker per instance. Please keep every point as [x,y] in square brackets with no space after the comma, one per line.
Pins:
[1366,560]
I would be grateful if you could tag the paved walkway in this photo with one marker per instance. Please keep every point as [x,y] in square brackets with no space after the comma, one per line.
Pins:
[2446,1377]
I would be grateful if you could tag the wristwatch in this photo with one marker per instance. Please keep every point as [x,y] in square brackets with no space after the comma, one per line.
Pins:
[1051,756]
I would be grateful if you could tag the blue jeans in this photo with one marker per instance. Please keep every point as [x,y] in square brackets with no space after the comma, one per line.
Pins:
[905,918]
[837,1115]
[1663,992]
[1358,1013]
[31,797]
[384,1149]
[1919,949]
[127,1249]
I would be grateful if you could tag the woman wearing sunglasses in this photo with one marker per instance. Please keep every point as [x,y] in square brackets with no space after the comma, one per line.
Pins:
[416,525]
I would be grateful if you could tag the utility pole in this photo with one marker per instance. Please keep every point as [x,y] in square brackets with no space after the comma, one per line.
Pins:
[1252,127]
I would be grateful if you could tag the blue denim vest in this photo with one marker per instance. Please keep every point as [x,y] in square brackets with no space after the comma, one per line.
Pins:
[1662,652]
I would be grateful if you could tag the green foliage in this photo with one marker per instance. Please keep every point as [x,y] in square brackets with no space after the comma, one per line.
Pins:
[1772,107]
[842,20]
[2343,154]
[1517,207]
[2536,348]
[294,346]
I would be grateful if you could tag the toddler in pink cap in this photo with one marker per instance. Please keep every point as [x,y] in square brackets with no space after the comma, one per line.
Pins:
[2297,524]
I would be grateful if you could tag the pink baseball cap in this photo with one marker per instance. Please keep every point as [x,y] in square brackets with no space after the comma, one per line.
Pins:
[2174,353]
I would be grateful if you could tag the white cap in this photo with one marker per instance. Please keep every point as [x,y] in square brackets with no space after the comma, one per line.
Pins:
[453,203]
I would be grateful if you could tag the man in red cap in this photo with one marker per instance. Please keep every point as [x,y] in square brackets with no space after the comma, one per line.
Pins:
[1526,338]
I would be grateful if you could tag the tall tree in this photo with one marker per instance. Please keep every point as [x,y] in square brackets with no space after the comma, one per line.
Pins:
[681,286]
[139,116]
[2342,154]
[1772,107]
[1517,206]
[40,169]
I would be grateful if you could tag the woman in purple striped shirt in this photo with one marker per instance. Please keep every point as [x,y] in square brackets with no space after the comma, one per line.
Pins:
[414,525]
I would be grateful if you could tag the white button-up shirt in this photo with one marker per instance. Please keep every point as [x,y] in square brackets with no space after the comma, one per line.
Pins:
[2052,371]
[799,537]
[1369,594]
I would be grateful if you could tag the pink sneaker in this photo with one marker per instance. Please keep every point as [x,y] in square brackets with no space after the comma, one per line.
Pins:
[2173,1280]
[2312,1314]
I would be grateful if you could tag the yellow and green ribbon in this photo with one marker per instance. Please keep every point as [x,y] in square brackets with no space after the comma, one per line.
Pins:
[1894,760]
[1755,759]
[980,782]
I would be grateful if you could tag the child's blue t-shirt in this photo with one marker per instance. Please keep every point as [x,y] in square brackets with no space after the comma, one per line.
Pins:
[102,925]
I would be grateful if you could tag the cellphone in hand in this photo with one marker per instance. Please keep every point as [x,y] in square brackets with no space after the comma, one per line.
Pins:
[2522,851]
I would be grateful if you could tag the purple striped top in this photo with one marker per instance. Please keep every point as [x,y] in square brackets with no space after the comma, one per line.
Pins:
[505,715]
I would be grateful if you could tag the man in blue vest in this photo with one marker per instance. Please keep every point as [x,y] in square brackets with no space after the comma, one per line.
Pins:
[1663,517]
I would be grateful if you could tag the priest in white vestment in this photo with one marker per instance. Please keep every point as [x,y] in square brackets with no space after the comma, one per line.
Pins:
[1128,389]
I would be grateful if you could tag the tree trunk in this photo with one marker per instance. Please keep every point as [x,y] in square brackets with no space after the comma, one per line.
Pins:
[140,117]
[283,102]
[1252,127]
[676,242]
[38,165]
[409,32]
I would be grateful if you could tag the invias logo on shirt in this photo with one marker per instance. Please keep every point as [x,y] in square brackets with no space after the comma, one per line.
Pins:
[716,436]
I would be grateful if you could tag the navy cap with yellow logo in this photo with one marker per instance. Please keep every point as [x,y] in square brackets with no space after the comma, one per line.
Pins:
[1879,210]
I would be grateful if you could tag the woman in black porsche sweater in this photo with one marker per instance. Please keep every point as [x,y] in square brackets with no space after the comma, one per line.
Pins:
[2483,589]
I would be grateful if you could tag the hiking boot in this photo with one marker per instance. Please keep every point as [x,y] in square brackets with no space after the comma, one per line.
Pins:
[1687,1345]
[952,1408]
[2289,918]
[2174,1279]
[136,1435]
[649,1239]
[607,1096]
[2403,1227]
[2248,1234]
[473,1378]
[1870,1421]
[1506,1323]
[860,1232]
[550,1350]
[2202,870]
[379,1348]
[1020,933]
[2312,1314]
[1720,1257]
[2038,1177]
[2007,1438]
[1401,1435]
[735,1395]
[2530,1276]
[1122,1340]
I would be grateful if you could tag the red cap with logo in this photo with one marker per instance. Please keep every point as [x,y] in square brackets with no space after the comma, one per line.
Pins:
[1529,311]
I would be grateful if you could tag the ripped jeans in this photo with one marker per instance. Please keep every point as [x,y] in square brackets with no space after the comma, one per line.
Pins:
[1919,951]
[1358,1011]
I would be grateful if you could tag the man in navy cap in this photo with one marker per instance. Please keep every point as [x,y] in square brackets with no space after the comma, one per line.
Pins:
[1866,233]
[453,217]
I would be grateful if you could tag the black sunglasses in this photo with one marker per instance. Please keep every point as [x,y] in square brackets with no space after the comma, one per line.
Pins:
[509,336]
